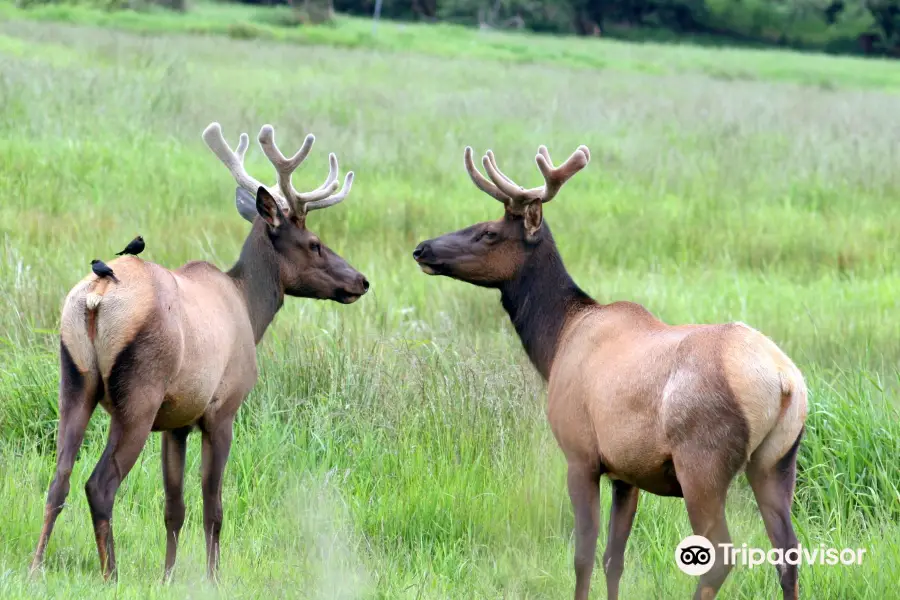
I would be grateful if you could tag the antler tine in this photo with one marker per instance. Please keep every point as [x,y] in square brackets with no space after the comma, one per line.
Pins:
[321,192]
[555,177]
[542,150]
[284,167]
[332,200]
[504,183]
[243,144]
[585,151]
[480,181]
[493,159]
[234,161]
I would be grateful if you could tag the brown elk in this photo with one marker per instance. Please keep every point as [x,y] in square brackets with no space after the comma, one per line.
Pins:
[672,410]
[171,351]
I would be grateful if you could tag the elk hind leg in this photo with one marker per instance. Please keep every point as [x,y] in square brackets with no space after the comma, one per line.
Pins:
[77,401]
[773,486]
[704,475]
[130,425]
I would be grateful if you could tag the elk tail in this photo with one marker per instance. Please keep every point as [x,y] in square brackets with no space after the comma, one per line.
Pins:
[92,301]
[92,304]
[787,386]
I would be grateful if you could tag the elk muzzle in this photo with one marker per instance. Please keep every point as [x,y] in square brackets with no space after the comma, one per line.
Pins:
[348,294]
[434,256]
[424,256]
[441,255]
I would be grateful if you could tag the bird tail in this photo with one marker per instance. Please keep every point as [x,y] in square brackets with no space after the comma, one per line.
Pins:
[120,253]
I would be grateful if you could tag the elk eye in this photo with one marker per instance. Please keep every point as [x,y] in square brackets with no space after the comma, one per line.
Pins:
[316,247]
[491,235]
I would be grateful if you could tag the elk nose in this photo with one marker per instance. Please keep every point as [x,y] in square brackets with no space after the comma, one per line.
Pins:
[365,284]
[421,250]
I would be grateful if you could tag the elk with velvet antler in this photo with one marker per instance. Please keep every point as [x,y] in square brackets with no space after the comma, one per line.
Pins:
[672,410]
[171,351]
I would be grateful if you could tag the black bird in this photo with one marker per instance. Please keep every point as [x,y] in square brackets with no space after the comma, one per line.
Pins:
[101,270]
[135,246]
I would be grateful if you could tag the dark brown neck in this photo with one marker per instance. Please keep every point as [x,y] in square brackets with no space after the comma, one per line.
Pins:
[540,301]
[256,275]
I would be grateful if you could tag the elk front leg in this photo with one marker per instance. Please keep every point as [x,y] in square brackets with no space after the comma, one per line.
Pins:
[216,446]
[584,491]
[174,446]
[621,518]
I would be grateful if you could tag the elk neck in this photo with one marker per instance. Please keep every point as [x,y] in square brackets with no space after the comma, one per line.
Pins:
[541,300]
[256,275]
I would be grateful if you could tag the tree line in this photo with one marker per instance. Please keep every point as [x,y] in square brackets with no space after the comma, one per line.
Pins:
[868,26]
[839,26]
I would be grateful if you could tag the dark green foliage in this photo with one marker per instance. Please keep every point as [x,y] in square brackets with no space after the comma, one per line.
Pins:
[835,26]
[886,14]
[867,26]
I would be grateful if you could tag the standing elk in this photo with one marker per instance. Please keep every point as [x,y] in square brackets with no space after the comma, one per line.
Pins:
[173,350]
[672,410]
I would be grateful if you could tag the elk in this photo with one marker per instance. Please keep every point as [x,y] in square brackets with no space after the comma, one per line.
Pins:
[171,351]
[672,410]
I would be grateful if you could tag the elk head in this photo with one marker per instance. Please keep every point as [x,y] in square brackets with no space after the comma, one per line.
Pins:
[306,266]
[491,253]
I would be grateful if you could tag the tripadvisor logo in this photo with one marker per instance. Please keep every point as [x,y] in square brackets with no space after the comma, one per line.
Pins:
[695,555]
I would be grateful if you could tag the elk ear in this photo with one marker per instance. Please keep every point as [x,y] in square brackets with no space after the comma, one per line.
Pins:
[534,218]
[267,208]
[245,203]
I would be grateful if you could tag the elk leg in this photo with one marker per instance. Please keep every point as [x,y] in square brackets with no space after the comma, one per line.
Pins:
[621,518]
[174,447]
[704,480]
[773,487]
[216,446]
[584,491]
[76,405]
[126,440]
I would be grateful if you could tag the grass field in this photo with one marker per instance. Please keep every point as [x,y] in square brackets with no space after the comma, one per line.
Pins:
[397,447]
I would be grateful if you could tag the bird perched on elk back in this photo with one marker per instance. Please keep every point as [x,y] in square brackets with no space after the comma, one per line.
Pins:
[174,350]
[102,270]
[135,247]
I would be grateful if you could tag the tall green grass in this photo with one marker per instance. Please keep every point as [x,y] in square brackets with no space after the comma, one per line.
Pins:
[397,447]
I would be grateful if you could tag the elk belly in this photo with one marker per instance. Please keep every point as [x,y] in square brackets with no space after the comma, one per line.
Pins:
[186,400]
[659,479]
[177,412]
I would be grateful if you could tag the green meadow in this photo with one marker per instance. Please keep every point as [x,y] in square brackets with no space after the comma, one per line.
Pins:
[397,447]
